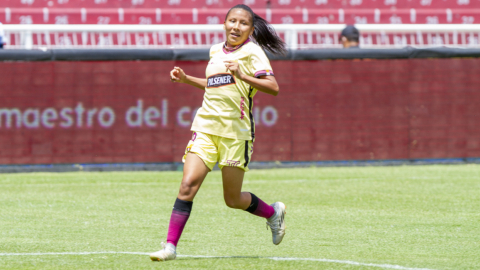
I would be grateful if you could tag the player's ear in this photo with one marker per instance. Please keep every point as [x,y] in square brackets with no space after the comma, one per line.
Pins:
[251,32]
[224,27]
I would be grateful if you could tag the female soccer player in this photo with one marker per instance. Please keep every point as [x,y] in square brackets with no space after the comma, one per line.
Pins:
[223,128]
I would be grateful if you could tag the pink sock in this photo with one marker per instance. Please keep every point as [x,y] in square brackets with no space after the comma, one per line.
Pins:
[260,208]
[264,210]
[177,223]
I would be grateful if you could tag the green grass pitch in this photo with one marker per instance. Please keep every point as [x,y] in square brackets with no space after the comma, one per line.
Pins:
[358,217]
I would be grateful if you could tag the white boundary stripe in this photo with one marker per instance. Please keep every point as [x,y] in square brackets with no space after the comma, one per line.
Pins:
[388,266]
[72,253]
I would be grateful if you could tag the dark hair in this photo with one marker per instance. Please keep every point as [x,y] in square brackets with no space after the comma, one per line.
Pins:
[264,34]
[351,33]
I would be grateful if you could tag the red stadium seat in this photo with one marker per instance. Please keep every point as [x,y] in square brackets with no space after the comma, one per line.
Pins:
[132,3]
[345,4]
[255,4]
[217,15]
[433,16]
[384,16]
[44,16]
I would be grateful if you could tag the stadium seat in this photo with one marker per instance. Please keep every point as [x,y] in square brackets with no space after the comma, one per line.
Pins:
[255,4]
[215,16]
[132,3]
[368,4]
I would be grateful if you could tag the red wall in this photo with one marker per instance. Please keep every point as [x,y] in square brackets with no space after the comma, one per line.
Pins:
[326,110]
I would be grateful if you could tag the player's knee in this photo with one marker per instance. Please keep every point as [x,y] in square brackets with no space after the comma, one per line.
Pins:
[187,187]
[232,202]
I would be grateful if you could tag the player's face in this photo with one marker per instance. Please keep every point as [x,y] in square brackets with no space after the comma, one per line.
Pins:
[238,26]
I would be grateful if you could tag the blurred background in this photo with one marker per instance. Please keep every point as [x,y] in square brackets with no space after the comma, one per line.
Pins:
[311,23]
[85,83]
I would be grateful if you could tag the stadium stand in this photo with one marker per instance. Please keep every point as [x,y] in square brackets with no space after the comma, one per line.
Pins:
[213,11]
[215,16]
[274,4]
[203,12]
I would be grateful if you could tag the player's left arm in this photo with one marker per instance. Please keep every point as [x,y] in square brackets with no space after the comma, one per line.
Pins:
[267,84]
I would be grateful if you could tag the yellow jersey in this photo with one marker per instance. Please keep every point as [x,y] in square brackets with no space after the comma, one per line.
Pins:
[228,101]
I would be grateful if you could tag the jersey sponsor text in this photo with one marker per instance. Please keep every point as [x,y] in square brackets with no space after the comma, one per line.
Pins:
[219,80]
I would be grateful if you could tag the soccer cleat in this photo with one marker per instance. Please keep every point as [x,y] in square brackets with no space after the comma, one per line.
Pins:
[166,254]
[277,222]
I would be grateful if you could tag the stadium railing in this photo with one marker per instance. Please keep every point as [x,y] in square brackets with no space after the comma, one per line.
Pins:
[297,36]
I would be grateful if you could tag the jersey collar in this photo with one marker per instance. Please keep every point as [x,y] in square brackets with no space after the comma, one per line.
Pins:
[230,50]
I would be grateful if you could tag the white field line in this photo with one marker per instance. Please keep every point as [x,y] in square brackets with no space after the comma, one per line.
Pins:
[204,183]
[287,181]
[387,266]
[72,253]
[299,180]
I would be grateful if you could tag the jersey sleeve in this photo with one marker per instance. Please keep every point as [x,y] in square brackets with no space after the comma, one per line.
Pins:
[260,64]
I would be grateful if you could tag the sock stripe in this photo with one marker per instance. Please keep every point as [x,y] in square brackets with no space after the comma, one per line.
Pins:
[182,206]
[253,205]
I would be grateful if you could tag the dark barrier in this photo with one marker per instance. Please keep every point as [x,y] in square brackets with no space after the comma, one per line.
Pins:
[129,111]
[202,54]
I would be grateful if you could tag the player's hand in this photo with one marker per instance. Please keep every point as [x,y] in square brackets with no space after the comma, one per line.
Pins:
[177,75]
[234,68]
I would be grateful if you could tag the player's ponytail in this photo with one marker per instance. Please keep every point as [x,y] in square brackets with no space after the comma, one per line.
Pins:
[264,34]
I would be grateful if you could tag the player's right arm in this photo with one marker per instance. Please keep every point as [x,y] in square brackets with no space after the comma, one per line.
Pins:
[178,75]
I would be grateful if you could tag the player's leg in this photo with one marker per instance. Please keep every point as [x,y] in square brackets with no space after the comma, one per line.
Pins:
[234,197]
[235,155]
[232,178]
[200,157]
[234,159]
[194,172]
